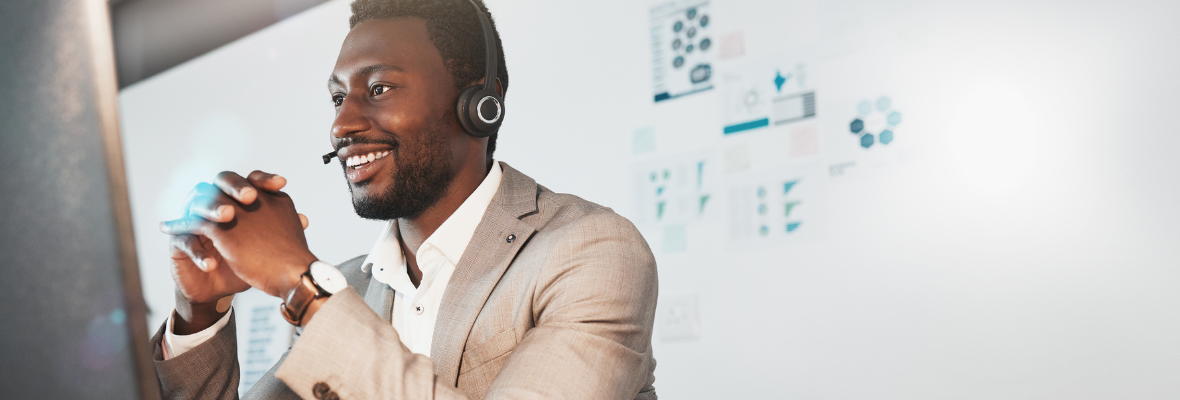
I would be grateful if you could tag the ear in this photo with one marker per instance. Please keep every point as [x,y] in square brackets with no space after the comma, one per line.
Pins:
[499,86]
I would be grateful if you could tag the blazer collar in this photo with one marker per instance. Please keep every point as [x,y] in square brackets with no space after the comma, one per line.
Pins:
[517,194]
[500,236]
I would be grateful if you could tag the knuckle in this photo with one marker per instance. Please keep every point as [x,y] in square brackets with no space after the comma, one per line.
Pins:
[190,245]
[184,243]
[201,203]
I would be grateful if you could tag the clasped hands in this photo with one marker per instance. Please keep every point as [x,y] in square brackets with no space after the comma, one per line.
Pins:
[237,233]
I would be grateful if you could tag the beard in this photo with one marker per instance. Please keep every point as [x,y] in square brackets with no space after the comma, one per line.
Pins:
[421,178]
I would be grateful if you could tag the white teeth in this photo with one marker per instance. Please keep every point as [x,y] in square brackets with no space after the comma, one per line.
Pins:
[355,161]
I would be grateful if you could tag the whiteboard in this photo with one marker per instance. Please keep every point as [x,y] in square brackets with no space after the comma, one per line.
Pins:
[1013,236]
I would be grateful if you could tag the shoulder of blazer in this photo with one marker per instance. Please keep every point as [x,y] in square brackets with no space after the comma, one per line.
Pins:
[546,210]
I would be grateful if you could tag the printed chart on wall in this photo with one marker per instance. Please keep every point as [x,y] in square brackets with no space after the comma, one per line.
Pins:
[776,205]
[682,50]
[865,121]
[767,93]
[263,335]
[677,189]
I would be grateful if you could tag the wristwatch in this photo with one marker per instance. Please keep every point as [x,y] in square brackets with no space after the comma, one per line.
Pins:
[320,280]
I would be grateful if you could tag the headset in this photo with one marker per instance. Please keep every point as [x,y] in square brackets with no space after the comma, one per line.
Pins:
[480,109]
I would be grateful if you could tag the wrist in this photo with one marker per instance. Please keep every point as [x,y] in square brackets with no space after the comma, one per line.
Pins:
[320,281]
[311,310]
[192,317]
[291,276]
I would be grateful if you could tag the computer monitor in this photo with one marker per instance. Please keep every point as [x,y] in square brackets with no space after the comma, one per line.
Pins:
[72,316]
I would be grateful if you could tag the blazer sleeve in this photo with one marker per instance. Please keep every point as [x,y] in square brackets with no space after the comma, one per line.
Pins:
[208,371]
[211,371]
[594,307]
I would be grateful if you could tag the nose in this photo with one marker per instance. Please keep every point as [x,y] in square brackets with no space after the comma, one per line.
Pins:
[349,119]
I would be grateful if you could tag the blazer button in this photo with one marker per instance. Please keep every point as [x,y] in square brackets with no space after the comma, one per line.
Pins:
[510,238]
[320,390]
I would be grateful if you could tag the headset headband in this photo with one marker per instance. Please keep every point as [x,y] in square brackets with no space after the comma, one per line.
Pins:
[489,78]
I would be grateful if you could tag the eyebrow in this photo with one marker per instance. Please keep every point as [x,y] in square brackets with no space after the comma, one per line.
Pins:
[367,71]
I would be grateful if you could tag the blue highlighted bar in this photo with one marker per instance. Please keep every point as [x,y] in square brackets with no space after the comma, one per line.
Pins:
[793,226]
[788,185]
[747,126]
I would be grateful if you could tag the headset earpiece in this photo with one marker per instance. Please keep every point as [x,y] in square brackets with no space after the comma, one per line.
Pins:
[480,111]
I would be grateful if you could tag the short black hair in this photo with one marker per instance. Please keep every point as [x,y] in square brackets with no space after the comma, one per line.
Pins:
[455,30]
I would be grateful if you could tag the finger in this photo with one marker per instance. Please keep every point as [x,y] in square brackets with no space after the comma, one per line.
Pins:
[267,181]
[202,189]
[303,220]
[218,208]
[236,186]
[191,246]
[190,225]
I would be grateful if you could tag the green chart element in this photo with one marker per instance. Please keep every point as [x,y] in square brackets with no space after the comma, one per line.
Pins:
[704,199]
[793,226]
[660,210]
[788,207]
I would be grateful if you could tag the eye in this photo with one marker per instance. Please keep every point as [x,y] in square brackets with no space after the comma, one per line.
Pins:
[338,100]
[379,89]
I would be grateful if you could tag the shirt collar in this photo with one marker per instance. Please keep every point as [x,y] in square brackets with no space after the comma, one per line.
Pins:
[451,238]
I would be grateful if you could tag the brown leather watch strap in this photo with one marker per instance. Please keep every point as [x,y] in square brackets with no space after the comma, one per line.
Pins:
[299,299]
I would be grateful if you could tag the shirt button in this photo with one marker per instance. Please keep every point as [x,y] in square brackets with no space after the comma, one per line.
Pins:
[418,309]
[510,238]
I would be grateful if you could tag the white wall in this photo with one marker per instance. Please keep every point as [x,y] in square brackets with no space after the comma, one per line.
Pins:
[1016,241]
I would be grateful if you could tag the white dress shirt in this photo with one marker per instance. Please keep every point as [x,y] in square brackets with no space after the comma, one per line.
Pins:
[415,309]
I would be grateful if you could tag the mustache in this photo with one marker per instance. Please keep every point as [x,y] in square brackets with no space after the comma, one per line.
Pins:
[351,140]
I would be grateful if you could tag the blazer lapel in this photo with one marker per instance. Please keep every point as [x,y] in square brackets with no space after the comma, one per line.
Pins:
[378,295]
[497,240]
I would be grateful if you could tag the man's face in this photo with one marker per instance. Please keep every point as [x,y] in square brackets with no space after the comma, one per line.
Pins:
[394,106]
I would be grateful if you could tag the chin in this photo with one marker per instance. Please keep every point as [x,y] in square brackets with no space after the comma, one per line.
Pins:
[365,192]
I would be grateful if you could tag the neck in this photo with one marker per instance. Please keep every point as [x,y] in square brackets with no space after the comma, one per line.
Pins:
[414,231]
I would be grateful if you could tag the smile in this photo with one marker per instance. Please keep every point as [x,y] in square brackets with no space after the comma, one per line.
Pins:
[360,160]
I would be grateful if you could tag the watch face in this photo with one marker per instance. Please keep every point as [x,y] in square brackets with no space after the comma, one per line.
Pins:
[327,277]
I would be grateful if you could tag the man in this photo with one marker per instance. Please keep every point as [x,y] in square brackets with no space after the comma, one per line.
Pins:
[485,284]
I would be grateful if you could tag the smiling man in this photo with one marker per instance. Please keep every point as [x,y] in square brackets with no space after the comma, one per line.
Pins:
[484,285]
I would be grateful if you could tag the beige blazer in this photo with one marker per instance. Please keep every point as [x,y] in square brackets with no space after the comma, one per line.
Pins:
[554,299]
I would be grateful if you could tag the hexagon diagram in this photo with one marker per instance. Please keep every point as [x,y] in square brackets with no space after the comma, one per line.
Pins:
[857,126]
[875,122]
